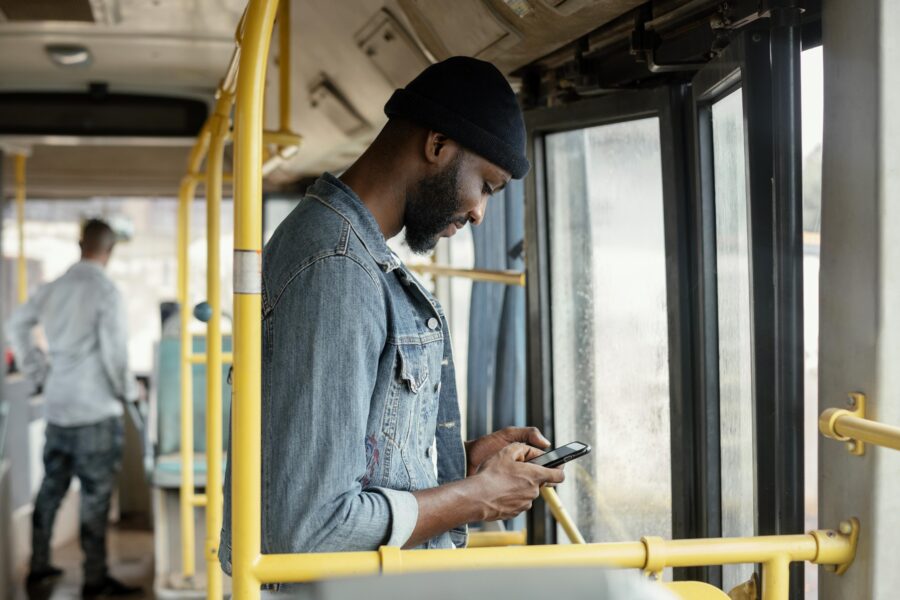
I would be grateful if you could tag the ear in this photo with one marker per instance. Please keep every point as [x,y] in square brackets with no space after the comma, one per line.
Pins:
[439,149]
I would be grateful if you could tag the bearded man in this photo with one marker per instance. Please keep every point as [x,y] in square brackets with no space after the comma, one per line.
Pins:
[361,443]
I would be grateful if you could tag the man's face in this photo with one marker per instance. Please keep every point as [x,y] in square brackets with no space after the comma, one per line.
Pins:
[441,204]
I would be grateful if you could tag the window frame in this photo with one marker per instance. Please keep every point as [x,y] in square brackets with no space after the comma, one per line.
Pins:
[668,106]
[690,240]
[778,432]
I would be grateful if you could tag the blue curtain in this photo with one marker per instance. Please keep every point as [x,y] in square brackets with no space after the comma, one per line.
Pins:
[496,380]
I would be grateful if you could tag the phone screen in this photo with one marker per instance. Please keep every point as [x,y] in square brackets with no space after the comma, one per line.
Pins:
[558,453]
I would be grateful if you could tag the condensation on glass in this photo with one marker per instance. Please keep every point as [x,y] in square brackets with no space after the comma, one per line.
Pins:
[609,327]
[735,345]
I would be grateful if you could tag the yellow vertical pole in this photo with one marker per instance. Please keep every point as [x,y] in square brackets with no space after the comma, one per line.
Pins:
[284,65]
[185,198]
[187,498]
[247,420]
[776,576]
[219,131]
[22,267]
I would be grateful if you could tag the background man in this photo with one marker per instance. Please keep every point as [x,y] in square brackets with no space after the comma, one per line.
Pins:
[85,378]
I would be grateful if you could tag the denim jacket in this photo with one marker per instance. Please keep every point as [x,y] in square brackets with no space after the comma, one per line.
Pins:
[359,405]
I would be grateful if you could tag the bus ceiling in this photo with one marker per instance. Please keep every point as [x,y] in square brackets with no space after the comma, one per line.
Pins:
[158,62]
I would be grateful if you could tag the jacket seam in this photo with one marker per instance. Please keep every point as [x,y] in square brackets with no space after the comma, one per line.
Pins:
[310,262]
[350,223]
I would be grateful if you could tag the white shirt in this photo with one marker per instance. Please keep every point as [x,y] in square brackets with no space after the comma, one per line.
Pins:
[85,375]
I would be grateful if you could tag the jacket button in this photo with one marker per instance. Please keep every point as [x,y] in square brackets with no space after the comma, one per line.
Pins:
[432,323]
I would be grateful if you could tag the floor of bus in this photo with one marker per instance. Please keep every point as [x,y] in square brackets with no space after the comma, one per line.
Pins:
[130,548]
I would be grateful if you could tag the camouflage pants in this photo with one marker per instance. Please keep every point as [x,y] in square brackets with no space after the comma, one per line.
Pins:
[93,453]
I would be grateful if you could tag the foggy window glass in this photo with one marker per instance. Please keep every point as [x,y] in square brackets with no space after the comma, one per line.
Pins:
[609,327]
[733,268]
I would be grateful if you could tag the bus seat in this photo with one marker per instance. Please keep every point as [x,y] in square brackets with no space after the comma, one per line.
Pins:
[695,590]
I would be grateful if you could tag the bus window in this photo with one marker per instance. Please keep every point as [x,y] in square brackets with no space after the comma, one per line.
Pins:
[735,346]
[609,326]
[811,92]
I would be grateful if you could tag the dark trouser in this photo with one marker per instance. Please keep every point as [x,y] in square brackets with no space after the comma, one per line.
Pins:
[92,453]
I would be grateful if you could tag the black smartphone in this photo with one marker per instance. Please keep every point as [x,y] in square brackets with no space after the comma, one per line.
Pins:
[561,455]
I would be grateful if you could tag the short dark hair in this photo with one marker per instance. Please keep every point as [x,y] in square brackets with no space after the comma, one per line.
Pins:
[97,237]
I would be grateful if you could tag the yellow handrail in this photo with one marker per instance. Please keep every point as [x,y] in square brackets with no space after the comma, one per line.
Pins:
[504,277]
[186,195]
[495,539]
[852,427]
[652,555]
[284,70]
[246,408]
[219,128]
[561,515]
[22,265]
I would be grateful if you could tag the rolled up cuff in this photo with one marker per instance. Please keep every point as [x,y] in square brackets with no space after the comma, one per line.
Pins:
[404,514]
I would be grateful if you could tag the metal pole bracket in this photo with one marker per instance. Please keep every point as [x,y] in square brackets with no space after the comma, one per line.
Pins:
[836,550]
[655,548]
[828,421]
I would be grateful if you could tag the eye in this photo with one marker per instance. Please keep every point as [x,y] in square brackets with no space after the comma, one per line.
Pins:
[486,190]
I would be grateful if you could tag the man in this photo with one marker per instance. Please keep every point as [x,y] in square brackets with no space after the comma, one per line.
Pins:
[361,426]
[85,378]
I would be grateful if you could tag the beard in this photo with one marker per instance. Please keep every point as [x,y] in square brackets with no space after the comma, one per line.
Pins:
[431,207]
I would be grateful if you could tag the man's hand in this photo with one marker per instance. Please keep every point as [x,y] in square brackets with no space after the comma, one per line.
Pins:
[478,451]
[504,486]
[508,484]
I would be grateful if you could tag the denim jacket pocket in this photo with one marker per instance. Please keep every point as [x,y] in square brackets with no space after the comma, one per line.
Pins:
[413,366]
[411,373]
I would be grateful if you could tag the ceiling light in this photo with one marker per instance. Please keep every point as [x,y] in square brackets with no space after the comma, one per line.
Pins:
[68,55]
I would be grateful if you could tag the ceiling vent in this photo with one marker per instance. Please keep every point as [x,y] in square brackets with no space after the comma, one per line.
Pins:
[326,99]
[471,28]
[392,50]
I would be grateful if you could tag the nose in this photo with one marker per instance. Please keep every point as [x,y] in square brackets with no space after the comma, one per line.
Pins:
[476,215]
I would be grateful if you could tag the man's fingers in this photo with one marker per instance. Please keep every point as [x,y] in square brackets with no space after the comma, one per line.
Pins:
[536,438]
[532,452]
[527,435]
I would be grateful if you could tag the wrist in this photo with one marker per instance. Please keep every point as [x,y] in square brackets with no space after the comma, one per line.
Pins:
[474,498]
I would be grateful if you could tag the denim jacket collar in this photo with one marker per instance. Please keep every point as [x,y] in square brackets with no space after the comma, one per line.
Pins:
[337,195]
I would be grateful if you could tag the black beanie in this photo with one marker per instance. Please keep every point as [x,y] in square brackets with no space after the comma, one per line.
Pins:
[469,101]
